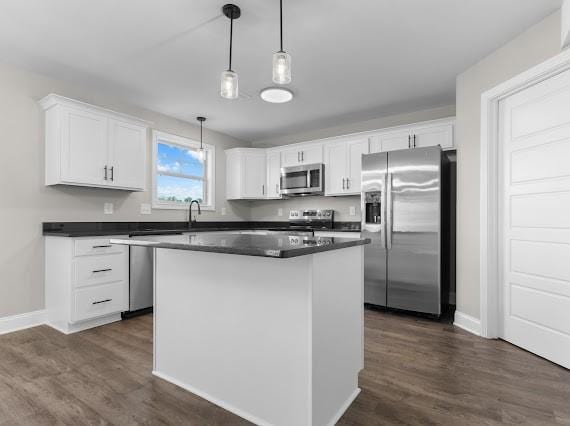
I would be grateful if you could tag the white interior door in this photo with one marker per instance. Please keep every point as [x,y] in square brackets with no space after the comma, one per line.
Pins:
[535,215]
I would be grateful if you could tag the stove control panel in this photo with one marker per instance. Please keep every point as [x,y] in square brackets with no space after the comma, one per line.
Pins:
[311,215]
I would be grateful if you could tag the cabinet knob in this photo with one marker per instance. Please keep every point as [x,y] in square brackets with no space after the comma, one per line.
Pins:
[105,169]
[112,173]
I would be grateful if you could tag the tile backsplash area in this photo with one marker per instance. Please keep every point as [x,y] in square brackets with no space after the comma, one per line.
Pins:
[268,210]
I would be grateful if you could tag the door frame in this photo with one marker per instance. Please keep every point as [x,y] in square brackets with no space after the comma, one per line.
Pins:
[489,244]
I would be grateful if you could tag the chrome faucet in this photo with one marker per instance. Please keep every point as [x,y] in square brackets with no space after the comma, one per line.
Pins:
[190,220]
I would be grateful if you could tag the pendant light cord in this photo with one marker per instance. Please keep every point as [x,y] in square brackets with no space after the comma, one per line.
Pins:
[201,122]
[231,37]
[281,21]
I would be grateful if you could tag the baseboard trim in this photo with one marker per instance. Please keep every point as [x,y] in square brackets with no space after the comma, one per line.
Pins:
[22,321]
[213,400]
[344,407]
[467,323]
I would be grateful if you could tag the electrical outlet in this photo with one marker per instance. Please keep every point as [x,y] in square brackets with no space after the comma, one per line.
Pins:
[352,211]
[108,208]
[279,212]
[145,208]
[223,211]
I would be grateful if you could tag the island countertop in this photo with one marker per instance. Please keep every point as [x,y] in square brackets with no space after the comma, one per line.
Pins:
[275,246]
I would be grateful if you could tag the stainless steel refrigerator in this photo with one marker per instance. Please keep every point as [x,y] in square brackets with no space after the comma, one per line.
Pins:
[402,215]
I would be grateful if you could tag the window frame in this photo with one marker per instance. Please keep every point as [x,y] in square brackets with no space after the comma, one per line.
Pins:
[210,170]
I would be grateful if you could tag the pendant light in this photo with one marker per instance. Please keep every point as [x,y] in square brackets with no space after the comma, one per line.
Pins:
[281,59]
[201,152]
[229,81]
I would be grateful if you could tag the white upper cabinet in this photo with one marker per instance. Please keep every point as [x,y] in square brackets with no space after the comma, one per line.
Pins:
[437,132]
[246,174]
[128,154]
[91,146]
[433,135]
[309,153]
[343,159]
[83,145]
[273,174]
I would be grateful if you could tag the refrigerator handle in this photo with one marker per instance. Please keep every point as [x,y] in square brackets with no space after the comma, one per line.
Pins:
[384,211]
[389,211]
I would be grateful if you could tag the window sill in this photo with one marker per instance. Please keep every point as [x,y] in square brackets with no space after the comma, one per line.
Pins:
[181,207]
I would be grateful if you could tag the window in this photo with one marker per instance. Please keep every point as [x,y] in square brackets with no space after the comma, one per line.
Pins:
[179,174]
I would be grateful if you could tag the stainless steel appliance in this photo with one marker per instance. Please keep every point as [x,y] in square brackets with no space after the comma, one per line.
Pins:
[312,219]
[307,179]
[140,279]
[402,215]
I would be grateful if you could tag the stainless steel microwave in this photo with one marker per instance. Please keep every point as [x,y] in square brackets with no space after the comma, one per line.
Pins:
[307,179]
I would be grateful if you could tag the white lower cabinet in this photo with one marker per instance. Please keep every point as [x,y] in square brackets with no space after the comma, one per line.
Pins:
[87,282]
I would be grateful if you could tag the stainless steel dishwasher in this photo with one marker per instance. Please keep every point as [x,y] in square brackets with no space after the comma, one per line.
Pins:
[140,279]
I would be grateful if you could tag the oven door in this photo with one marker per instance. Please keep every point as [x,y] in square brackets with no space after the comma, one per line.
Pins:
[302,180]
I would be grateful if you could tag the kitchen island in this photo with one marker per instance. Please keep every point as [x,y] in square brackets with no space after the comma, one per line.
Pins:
[269,327]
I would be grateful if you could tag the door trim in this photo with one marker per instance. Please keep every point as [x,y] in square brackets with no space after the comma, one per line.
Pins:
[489,266]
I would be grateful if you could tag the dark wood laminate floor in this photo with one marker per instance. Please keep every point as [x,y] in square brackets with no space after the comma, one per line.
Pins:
[417,372]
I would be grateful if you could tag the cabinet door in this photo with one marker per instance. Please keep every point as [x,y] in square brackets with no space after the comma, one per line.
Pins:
[290,157]
[375,144]
[84,148]
[254,175]
[356,148]
[311,154]
[127,146]
[394,140]
[274,174]
[336,163]
[434,135]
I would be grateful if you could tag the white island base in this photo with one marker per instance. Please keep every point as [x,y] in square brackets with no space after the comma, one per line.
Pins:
[275,341]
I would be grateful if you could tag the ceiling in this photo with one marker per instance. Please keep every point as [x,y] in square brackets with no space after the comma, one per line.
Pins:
[352,60]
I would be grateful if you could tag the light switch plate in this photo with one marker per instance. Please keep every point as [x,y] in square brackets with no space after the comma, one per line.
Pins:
[352,211]
[108,208]
[145,208]
[279,212]
[223,211]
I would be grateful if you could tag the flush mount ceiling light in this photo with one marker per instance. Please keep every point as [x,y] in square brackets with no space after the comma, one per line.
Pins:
[281,59]
[201,152]
[229,81]
[276,95]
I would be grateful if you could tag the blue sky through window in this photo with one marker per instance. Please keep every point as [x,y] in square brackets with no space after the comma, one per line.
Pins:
[185,164]
[178,159]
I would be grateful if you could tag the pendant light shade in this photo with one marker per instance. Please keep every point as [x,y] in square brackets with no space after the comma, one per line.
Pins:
[281,59]
[229,80]
[281,68]
[229,85]
[201,152]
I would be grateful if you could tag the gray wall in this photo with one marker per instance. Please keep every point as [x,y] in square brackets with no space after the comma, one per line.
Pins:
[537,44]
[267,210]
[26,202]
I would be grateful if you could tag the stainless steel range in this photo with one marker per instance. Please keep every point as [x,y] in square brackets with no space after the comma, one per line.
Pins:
[311,219]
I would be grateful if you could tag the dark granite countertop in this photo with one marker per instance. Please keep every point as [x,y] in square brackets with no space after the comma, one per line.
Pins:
[275,246]
[94,229]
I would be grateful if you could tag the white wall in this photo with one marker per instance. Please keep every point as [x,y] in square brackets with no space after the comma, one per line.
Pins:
[535,45]
[267,210]
[25,202]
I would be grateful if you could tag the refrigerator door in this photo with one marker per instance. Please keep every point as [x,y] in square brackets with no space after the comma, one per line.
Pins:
[373,207]
[413,230]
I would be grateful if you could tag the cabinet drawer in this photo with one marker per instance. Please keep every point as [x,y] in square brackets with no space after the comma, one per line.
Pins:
[91,246]
[90,270]
[106,299]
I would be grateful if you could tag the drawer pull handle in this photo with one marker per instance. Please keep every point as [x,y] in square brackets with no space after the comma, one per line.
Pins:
[102,270]
[108,246]
[102,301]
